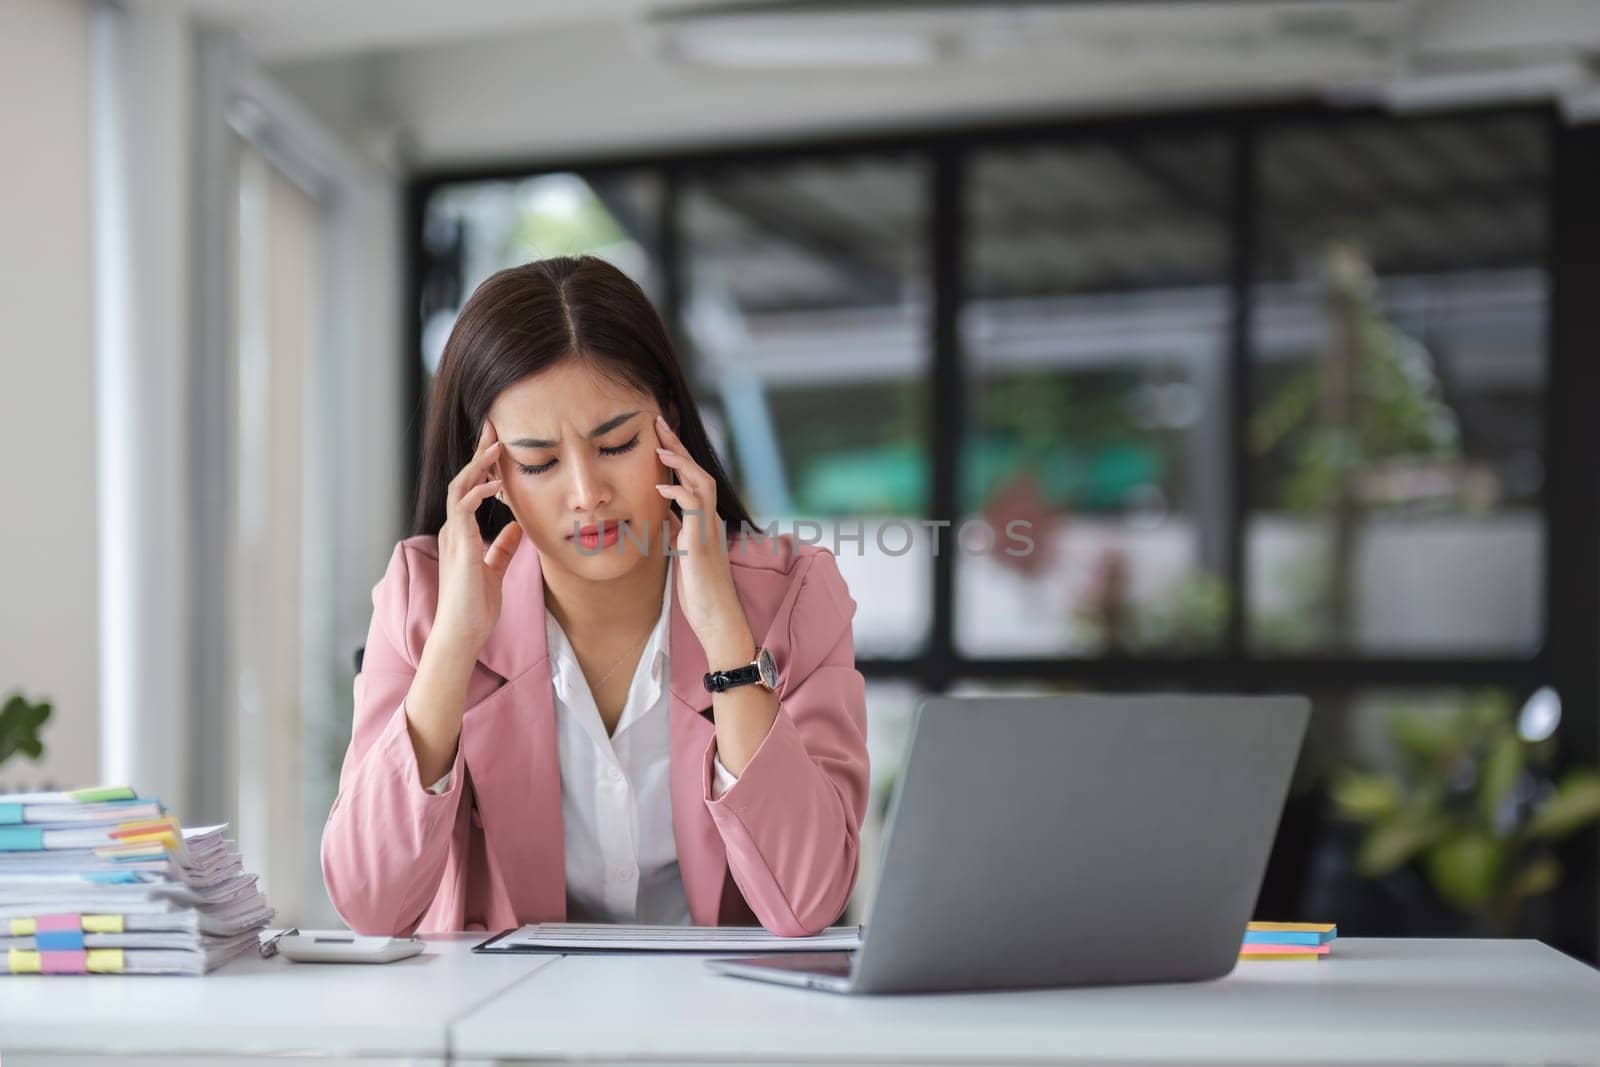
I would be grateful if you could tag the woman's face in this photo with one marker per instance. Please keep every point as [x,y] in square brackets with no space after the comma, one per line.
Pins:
[560,474]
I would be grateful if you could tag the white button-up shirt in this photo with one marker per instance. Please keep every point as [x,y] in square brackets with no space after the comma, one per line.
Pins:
[616,791]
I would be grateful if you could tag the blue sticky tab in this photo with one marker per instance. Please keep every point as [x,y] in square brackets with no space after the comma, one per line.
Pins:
[59,941]
[21,839]
[10,814]
[1286,937]
[112,877]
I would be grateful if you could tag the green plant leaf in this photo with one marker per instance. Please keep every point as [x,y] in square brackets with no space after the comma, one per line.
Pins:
[1463,868]
[1366,797]
[1575,803]
[1394,840]
[1428,739]
[1502,766]
[1540,876]
[20,722]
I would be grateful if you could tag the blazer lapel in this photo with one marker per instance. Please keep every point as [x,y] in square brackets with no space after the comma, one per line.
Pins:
[702,859]
[509,744]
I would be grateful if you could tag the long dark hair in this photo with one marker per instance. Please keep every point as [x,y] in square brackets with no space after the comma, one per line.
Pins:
[526,319]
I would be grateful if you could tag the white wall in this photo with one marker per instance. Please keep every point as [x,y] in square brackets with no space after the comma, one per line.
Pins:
[48,632]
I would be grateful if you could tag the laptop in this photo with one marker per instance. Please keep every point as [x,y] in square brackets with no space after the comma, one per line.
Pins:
[1067,840]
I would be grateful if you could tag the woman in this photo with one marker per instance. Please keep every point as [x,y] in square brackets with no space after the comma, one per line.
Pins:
[538,733]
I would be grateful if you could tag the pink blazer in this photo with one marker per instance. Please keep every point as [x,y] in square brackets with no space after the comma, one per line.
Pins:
[780,847]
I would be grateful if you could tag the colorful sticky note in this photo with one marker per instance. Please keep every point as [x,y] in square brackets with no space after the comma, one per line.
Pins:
[1286,937]
[21,839]
[101,793]
[1282,952]
[1318,928]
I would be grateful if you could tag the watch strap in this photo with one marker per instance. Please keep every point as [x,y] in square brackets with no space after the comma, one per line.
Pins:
[718,681]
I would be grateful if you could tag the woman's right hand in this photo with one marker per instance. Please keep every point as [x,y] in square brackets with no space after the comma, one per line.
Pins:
[470,578]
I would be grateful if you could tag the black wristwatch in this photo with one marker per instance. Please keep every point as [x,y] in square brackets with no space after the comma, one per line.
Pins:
[759,670]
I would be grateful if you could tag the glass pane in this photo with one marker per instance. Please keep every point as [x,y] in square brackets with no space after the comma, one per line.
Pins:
[472,229]
[1094,333]
[806,308]
[1398,385]
[1410,821]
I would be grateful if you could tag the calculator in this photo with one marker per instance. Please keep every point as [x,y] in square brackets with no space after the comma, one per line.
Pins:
[339,946]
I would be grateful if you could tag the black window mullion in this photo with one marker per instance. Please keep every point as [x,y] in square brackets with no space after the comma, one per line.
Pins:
[947,421]
[669,237]
[1242,226]
[1572,500]
[411,426]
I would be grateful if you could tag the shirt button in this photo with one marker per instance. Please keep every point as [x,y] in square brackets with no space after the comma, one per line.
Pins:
[615,775]
[624,874]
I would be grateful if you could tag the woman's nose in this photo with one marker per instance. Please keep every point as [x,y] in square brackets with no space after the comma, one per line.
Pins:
[589,489]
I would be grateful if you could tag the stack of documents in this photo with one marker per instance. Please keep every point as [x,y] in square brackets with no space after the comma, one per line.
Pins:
[103,881]
[1288,941]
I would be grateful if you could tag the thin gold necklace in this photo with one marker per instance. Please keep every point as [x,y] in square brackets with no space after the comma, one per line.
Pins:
[602,680]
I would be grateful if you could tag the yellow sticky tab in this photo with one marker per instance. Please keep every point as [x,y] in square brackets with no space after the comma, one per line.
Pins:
[23,927]
[145,829]
[1292,928]
[102,924]
[155,850]
[23,961]
[1281,956]
[166,839]
[103,961]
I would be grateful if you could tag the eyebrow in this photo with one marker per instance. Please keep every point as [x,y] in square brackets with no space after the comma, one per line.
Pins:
[604,428]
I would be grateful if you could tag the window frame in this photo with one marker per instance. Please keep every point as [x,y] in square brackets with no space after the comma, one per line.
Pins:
[1570,497]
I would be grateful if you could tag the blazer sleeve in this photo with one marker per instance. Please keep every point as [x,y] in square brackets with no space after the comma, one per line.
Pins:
[387,838]
[791,823]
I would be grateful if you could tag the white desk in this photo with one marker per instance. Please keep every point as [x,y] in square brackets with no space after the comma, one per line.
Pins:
[1394,1001]
[395,1013]
[1391,1001]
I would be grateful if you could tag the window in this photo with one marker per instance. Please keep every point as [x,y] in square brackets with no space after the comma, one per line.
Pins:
[1398,376]
[472,229]
[1271,389]
[806,309]
[1095,335]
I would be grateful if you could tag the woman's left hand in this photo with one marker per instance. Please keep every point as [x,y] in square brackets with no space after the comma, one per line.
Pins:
[709,599]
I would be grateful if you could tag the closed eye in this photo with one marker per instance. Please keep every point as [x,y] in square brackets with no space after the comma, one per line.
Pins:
[612,451]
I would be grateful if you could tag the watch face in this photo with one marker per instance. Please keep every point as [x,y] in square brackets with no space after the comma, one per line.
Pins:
[769,669]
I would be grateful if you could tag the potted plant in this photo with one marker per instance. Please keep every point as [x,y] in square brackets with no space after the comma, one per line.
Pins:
[1473,807]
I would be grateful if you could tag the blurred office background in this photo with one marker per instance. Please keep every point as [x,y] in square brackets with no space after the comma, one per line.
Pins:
[1278,320]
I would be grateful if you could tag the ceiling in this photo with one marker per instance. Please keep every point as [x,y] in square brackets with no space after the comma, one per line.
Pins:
[471,81]
[284,30]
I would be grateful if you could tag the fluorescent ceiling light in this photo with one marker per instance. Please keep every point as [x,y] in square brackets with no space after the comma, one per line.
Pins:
[1446,90]
[716,43]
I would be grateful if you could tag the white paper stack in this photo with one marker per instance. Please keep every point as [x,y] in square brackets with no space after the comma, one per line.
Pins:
[623,937]
[102,881]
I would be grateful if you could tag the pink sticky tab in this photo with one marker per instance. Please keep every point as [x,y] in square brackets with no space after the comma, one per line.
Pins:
[50,923]
[64,962]
[1283,950]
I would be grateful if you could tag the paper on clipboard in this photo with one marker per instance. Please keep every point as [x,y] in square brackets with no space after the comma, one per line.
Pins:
[622,937]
